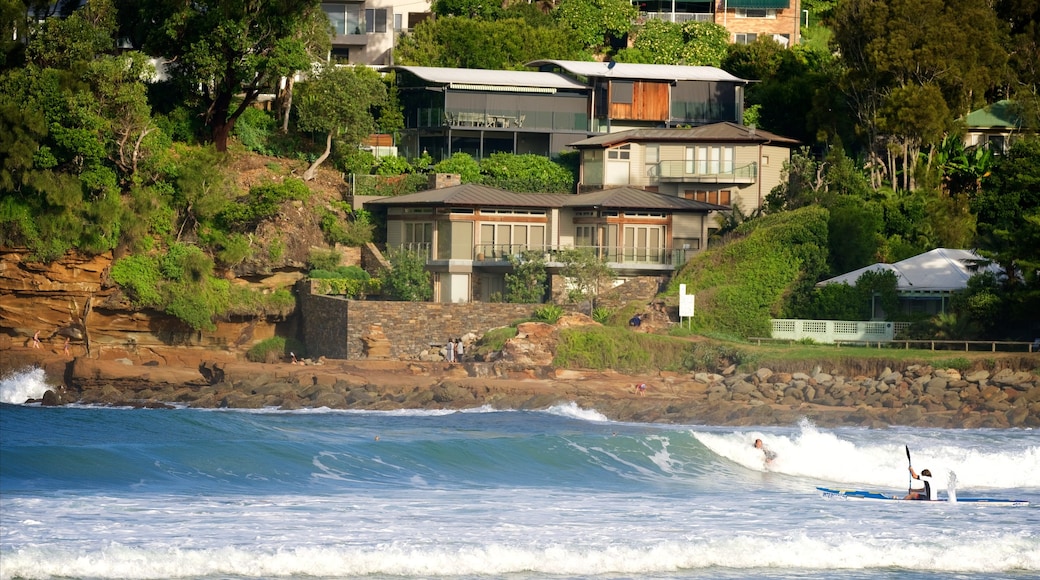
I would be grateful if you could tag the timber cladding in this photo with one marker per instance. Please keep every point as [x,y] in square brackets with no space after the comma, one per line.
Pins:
[639,100]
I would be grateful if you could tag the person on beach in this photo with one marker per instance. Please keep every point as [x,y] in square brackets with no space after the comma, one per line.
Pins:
[449,350]
[926,491]
[36,340]
[292,355]
[766,452]
[458,349]
[66,348]
[641,389]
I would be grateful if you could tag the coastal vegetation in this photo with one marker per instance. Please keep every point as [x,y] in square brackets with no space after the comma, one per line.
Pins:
[102,154]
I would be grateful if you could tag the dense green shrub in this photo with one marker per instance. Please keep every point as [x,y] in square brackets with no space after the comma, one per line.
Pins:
[262,202]
[327,260]
[549,313]
[275,349]
[741,285]
[139,275]
[253,129]
[617,348]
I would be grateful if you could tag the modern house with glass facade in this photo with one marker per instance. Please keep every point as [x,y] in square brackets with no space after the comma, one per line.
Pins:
[481,112]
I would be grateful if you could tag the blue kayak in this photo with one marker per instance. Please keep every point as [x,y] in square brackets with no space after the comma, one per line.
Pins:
[871,495]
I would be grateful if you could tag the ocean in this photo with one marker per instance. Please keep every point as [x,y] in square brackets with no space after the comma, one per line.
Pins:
[98,493]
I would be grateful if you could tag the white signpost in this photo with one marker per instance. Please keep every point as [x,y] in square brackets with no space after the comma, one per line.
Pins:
[686,304]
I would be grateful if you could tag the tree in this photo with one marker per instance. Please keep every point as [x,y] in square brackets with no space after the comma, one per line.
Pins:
[587,274]
[223,53]
[595,22]
[909,59]
[690,43]
[527,173]
[407,278]
[526,283]
[339,102]
[462,164]
[1008,209]
[507,44]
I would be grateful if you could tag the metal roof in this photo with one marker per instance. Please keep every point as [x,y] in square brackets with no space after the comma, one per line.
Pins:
[498,78]
[627,70]
[940,270]
[473,195]
[715,132]
[1003,114]
[635,198]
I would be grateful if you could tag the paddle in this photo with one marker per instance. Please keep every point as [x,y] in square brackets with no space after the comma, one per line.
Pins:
[910,465]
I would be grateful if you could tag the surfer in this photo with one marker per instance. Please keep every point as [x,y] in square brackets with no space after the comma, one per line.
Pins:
[927,491]
[769,454]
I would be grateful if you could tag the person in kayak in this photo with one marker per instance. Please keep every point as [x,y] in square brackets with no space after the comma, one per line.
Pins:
[927,491]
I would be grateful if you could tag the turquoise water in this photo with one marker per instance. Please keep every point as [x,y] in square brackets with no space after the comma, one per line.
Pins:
[564,493]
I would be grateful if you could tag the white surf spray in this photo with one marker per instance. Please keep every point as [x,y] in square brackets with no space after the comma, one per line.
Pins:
[877,459]
[20,386]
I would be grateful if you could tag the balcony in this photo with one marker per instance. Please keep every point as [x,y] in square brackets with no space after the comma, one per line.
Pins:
[618,258]
[678,17]
[694,172]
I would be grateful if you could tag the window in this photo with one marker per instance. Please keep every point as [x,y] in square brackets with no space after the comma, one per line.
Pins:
[709,160]
[416,233]
[716,197]
[585,236]
[622,152]
[398,22]
[621,92]
[756,13]
[345,18]
[744,38]
[375,20]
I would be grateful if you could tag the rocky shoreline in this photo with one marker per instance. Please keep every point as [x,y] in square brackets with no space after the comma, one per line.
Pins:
[918,395]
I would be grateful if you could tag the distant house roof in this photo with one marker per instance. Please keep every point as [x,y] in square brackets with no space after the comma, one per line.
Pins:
[940,270]
[634,198]
[627,70]
[470,194]
[715,132]
[481,77]
[1003,114]
[473,195]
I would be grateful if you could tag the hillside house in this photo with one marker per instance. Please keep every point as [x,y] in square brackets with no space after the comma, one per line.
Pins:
[721,163]
[480,112]
[631,96]
[469,232]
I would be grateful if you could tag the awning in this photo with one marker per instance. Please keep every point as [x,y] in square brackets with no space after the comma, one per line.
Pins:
[471,87]
[775,4]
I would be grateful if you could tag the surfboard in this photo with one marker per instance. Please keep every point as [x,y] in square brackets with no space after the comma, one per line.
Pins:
[850,494]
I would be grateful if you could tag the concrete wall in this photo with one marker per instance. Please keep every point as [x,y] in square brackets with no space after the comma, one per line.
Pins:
[334,327]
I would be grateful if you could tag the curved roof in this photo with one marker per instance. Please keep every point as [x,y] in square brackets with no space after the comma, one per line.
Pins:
[628,70]
[503,78]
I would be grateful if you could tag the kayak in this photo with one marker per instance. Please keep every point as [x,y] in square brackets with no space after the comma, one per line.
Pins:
[871,495]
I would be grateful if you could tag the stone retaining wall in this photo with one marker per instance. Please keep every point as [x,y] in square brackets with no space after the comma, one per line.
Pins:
[338,328]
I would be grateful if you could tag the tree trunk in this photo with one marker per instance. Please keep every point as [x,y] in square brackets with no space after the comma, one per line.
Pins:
[287,103]
[221,132]
[313,169]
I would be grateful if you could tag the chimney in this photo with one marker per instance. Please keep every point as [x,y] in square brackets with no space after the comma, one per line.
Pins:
[442,180]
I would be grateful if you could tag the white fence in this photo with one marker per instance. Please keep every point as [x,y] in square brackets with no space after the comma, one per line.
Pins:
[832,331]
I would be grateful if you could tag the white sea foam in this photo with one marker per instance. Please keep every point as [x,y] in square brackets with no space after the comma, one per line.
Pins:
[20,386]
[1006,553]
[878,458]
[573,411]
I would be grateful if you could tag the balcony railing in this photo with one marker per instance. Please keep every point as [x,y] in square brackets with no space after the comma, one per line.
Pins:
[677,16]
[614,255]
[692,171]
